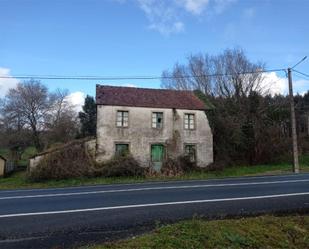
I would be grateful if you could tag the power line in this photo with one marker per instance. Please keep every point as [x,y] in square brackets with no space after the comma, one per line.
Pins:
[304,74]
[63,77]
[299,62]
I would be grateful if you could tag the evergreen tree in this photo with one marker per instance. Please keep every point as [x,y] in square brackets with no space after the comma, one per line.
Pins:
[88,117]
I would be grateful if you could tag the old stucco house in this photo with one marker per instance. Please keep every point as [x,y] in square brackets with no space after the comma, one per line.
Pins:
[152,124]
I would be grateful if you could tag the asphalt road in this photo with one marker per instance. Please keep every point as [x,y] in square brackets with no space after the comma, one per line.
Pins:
[42,218]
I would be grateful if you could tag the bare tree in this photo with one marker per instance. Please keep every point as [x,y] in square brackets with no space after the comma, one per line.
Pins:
[248,124]
[222,75]
[61,120]
[27,106]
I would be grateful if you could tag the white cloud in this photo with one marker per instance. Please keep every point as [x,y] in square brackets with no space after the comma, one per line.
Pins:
[166,16]
[162,16]
[279,85]
[77,99]
[195,7]
[6,83]
[274,83]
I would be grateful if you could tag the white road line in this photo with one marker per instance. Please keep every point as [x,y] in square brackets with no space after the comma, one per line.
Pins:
[153,205]
[232,178]
[150,188]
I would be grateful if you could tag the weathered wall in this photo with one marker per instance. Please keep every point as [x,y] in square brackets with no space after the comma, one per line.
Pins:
[140,135]
[90,147]
[33,162]
[2,167]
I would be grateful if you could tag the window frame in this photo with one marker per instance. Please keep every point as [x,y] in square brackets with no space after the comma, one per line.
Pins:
[162,119]
[195,154]
[194,121]
[121,143]
[122,118]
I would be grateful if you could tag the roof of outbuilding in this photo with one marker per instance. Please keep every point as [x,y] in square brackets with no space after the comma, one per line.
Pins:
[3,158]
[147,97]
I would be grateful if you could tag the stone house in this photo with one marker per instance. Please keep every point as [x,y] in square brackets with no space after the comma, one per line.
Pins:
[2,166]
[152,124]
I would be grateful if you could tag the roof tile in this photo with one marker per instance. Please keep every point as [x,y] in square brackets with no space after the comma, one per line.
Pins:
[146,97]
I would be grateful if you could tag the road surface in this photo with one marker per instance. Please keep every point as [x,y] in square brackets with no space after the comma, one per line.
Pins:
[42,218]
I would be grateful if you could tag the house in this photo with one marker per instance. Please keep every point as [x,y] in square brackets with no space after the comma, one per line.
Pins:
[2,166]
[152,124]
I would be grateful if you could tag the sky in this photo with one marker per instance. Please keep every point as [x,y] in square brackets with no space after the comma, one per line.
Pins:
[145,37]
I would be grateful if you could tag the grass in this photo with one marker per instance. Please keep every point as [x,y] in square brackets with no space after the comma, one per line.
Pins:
[260,232]
[19,179]
[27,153]
[4,152]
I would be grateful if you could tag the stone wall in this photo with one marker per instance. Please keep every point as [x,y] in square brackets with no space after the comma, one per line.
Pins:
[140,135]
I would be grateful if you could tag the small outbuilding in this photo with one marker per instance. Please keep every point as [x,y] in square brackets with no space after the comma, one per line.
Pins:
[2,166]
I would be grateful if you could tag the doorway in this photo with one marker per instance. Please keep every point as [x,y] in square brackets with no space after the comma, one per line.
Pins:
[157,156]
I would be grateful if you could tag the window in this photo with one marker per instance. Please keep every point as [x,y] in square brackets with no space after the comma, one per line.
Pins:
[122,149]
[189,122]
[122,119]
[190,151]
[157,119]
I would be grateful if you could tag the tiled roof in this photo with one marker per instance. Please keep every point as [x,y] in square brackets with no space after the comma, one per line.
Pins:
[146,97]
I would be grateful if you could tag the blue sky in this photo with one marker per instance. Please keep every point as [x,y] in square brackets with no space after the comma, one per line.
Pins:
[144,37]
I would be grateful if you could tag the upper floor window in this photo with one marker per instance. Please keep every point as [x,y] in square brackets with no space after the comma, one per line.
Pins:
[189,121]
[157,120]
[122,119]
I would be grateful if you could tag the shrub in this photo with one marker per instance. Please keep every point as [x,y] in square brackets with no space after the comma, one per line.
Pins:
[124,165]
[67,162]
[178,166]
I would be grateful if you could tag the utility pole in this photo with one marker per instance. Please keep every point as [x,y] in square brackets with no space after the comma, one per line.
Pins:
[293,122]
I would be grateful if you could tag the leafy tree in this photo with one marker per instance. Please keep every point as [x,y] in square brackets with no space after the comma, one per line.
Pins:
[88,117]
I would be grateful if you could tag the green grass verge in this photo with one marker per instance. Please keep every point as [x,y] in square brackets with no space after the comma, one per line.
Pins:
[19,179]
[260,232]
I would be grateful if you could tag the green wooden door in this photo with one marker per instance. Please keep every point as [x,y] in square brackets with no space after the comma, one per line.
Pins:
[157,155]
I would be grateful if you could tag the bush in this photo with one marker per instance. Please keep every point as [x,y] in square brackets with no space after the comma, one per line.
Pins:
[67,162]
[179,166]
[120,166]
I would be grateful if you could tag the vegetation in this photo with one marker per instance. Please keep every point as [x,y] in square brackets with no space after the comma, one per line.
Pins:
[24,155]
[260,232]
[33,117]
[249,125]
[67,161]
[120,166]
[20,180]
[72,160]
[88,117]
